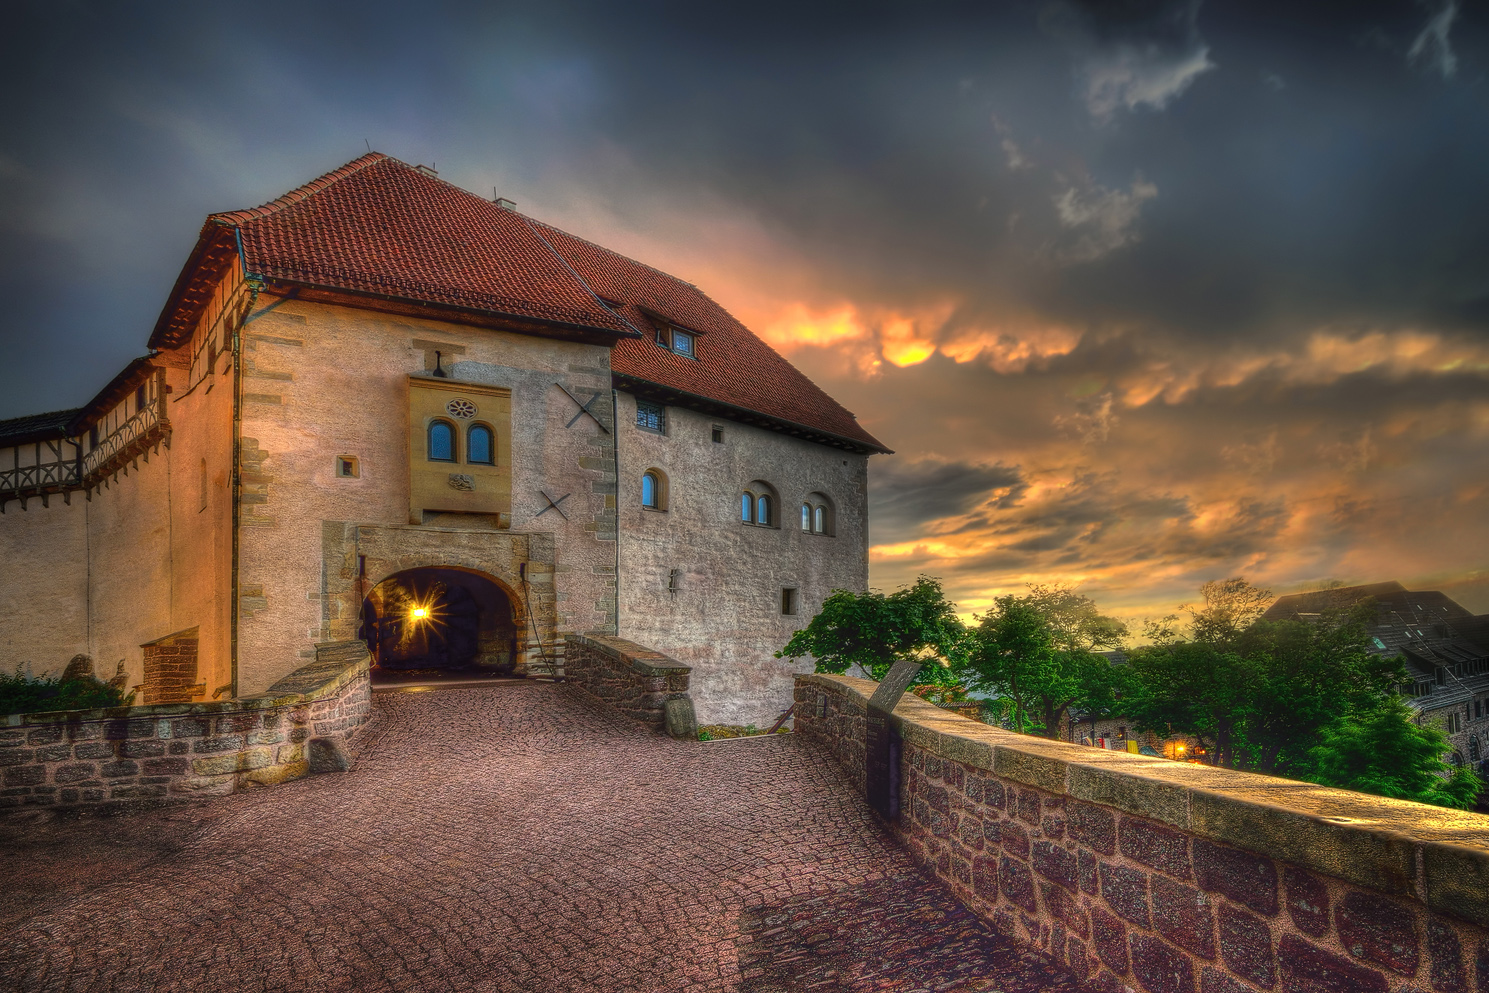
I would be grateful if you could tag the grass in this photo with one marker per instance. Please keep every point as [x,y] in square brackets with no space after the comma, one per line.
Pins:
[713,732]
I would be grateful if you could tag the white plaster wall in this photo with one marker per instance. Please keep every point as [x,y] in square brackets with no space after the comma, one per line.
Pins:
[327,381]
[725,620]
[139,561]
[43,584]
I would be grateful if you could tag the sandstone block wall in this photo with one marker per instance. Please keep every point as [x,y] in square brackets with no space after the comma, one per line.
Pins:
[705,588]
[1139,873]
[635,680]
[206,749]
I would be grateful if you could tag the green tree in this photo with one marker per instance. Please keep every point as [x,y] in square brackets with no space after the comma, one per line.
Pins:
[1197,689]
[872,631]
[1036,652]
[1228,607]
[1311,673]
[1384,751]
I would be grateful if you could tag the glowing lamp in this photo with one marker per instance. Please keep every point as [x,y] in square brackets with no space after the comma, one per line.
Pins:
[419,613]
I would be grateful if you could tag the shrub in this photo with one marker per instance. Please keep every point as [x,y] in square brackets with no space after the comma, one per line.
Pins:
[22,694]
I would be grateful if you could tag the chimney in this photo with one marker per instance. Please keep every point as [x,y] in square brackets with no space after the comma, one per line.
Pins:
[505,204]
[427,171]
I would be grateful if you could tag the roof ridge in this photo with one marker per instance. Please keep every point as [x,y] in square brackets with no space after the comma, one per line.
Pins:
[304,191]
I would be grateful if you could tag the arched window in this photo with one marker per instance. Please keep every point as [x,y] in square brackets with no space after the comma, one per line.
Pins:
[480,445]
[819,520]
[1473,748]
[651,491]
[1456,760]
[441,442]
[806,517]
[764,512]
[747,507]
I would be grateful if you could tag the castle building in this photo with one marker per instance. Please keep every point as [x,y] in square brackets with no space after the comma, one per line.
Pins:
[382,407]
[1444,645]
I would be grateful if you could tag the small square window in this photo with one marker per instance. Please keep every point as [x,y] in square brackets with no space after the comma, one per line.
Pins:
[651,416]
[346,467]
[788,600]
[718,436]
[682,343]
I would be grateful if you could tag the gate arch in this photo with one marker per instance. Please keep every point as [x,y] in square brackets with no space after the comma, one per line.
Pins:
[444,617]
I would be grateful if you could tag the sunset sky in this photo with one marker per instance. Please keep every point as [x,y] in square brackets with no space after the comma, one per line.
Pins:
[1140,298]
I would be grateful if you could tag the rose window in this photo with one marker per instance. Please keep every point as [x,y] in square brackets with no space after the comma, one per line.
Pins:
[461,408]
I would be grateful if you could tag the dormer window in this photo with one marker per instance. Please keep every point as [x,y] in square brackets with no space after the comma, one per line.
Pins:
[679,341]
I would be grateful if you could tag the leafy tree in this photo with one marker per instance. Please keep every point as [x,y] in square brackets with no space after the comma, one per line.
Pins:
[1229,605]
[1385,752]
[1312,672]
[1073,619]
[1197,689]
[872,631]
[1036,651]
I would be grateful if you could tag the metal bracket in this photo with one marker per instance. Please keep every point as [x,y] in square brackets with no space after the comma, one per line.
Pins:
[553,505]
[583,408]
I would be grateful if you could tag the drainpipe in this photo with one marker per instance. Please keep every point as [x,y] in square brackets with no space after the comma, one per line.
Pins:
[615,448]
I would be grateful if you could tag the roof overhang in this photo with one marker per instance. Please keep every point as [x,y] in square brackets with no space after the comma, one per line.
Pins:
[680,398]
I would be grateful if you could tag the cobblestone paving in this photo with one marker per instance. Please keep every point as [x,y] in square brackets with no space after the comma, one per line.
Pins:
[501,838]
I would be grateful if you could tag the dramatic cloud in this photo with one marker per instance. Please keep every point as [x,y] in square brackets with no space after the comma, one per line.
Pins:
[1137,54]
[1143,293]
[1433,45]
[1102,220]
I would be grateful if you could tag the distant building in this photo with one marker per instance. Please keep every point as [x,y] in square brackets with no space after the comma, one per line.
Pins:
[1446,648]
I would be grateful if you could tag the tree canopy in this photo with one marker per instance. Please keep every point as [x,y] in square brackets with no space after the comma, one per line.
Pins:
[1304,699]
[872,631]
[1037,652]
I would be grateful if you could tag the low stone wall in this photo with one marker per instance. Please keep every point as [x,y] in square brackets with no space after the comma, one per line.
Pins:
[1141,873]
[154,752]
[635,680]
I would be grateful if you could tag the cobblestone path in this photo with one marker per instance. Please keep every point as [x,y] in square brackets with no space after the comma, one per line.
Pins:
[501,838]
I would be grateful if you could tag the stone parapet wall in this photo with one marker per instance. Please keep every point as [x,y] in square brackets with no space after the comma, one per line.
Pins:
[177,750]
[1140,873]
[635,680]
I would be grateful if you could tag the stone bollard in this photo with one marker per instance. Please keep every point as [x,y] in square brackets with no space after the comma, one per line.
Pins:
[330,755]
[681,721]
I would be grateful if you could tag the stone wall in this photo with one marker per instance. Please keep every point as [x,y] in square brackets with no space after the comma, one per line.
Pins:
[1141,873]
[705,588]
[203,749]
[635,680]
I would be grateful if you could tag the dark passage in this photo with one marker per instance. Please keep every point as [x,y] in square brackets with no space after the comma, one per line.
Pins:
[440,619]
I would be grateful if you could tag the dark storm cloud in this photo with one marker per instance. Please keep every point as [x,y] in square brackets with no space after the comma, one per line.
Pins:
[1142,292]
[907,493]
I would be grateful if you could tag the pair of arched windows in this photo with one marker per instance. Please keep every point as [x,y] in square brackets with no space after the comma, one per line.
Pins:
[480,443]
[757,505]
[816,514]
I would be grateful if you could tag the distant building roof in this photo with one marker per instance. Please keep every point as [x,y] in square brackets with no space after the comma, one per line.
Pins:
[1425,626]
[382,230]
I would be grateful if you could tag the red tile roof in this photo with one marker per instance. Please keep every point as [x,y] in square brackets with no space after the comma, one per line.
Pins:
[733,366]
[379,226]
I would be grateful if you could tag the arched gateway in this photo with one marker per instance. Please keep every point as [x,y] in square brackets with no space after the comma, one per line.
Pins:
[440,617]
